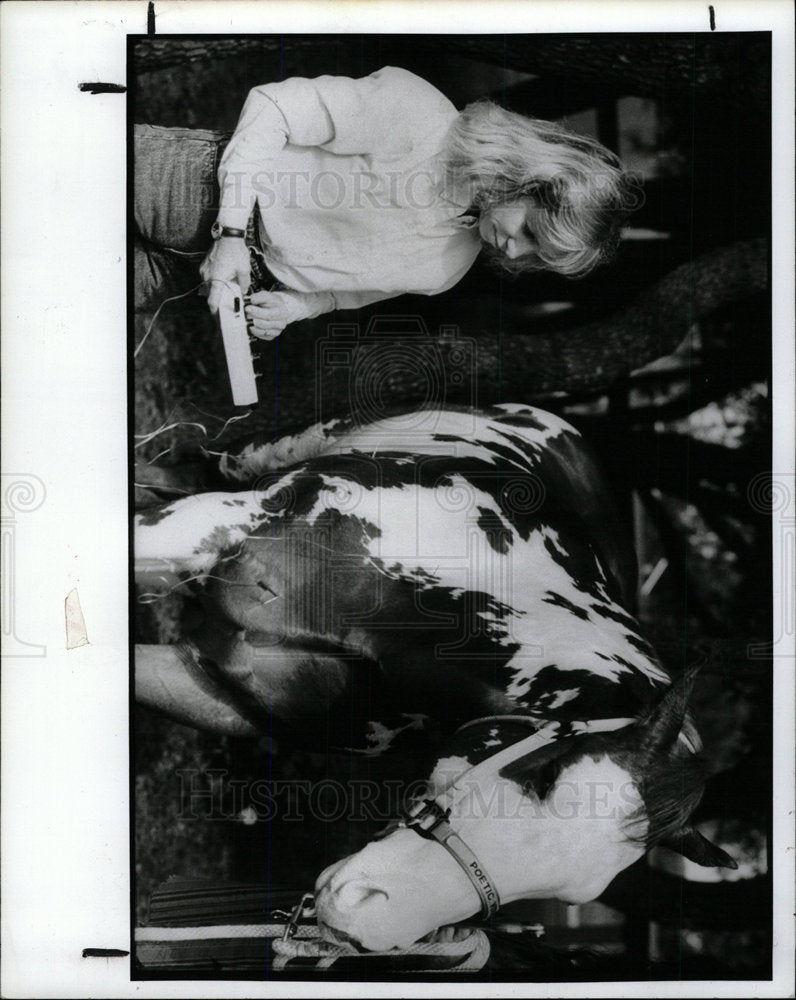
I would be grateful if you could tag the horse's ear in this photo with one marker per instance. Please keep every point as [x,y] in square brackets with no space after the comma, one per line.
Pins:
[692,845]
[659,731]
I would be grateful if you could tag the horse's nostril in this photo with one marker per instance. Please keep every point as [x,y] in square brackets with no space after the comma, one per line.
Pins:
[335,936]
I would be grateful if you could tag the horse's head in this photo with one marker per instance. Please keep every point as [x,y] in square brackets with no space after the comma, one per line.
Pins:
[542,817]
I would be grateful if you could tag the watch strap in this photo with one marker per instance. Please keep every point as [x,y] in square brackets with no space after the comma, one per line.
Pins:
[218,231]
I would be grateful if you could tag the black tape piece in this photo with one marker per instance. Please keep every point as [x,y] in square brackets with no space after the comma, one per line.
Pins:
[102,88]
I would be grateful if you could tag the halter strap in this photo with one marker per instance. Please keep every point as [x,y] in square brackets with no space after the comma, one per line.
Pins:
[430,820]
[429,817]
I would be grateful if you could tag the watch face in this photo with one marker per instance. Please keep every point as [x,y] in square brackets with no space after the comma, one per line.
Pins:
[215,232]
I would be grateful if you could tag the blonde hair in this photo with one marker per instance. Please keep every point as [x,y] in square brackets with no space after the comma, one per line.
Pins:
[585,195]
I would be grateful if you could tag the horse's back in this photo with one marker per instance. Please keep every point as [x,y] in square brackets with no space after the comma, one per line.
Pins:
[514,440]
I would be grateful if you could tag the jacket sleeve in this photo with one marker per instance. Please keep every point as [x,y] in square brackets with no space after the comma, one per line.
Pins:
[317,303]
[386,112]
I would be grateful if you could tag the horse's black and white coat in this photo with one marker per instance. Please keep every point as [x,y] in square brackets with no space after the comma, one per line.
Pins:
[475,558]
[443,565]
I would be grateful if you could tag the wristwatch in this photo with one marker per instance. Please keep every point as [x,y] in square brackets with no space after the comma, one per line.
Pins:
[218,231]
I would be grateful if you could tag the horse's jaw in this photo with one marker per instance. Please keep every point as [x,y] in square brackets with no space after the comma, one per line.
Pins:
[600,829]
[568,847]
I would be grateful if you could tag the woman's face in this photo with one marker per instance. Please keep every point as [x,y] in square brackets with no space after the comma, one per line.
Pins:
[511,228]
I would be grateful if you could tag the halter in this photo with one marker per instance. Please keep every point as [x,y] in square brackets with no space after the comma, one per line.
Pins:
[430,817]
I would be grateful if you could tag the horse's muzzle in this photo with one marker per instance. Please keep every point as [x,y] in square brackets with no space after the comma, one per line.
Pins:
[351,913]
[334,936]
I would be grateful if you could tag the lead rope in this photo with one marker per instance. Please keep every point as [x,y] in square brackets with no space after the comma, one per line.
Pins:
[295,939]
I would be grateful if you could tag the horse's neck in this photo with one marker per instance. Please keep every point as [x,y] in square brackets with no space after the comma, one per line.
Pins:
[606,644]
[570,638]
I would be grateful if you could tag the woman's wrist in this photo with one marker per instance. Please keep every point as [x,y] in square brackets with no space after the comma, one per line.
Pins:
[312,304]
[235,206]
[221,231]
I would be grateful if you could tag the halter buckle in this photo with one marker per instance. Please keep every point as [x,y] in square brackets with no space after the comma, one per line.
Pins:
[425,816]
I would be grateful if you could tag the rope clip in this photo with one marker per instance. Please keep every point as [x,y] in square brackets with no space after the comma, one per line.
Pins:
[304,908]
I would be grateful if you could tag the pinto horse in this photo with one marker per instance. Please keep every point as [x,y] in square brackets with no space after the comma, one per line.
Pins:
[466,567]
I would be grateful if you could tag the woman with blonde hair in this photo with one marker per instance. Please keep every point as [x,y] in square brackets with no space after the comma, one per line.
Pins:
[338,192]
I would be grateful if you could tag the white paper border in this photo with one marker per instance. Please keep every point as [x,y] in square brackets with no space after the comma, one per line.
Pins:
[65,741]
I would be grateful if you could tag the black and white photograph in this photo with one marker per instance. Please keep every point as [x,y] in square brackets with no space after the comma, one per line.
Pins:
[444,368]
[452,611]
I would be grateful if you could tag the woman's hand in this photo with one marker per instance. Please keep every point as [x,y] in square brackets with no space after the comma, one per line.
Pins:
[269,313]
[227,261]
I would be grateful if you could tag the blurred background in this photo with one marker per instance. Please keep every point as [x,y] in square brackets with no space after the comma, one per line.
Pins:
[668,377]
